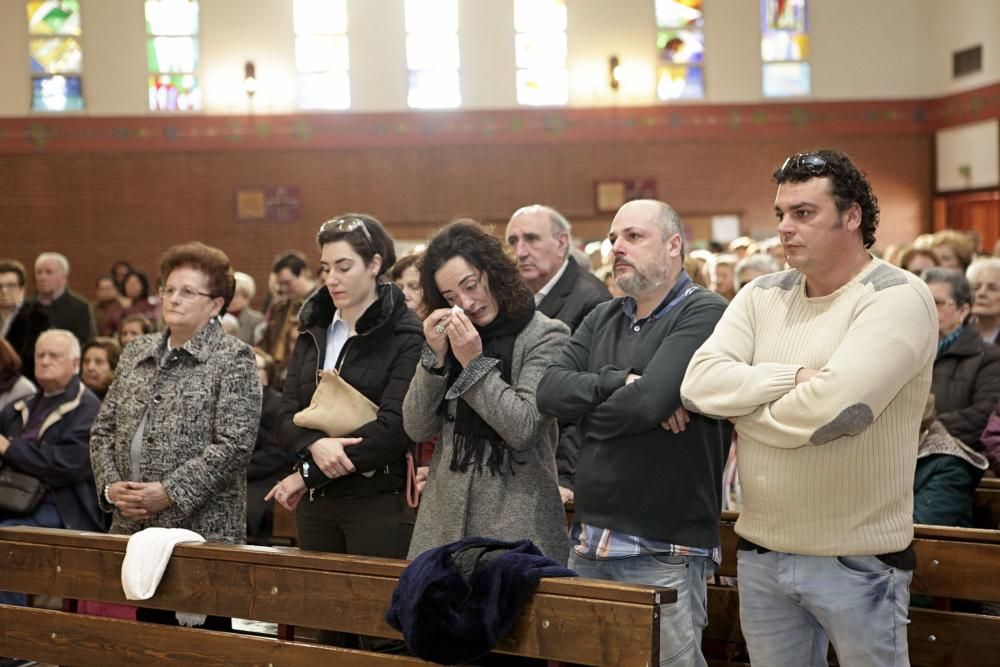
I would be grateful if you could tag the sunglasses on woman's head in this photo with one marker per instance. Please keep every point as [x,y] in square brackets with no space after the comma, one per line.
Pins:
[347,225]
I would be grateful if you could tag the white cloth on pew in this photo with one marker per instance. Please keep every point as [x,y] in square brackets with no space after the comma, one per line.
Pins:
[146,558]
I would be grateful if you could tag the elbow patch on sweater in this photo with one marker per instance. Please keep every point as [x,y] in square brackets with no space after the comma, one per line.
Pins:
[851,421]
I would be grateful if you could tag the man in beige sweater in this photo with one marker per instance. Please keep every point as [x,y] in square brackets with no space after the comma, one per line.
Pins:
[824,370]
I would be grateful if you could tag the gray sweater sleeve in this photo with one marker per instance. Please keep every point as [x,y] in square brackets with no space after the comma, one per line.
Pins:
[421,418]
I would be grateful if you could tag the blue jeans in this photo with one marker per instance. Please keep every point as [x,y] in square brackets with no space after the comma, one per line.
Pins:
[792,607]
[681,623]
[45,516]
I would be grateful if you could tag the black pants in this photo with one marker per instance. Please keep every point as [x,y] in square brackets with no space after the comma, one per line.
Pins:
[379,525]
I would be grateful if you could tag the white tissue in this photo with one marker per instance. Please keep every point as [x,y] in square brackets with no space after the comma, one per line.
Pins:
[457,310]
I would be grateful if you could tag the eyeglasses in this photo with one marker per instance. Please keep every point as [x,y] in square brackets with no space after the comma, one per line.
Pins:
[945,302]
[9,286]
[347,225]
[812,164]
[186,294]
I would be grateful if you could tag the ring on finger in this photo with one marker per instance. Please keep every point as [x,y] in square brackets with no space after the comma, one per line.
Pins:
[439,328]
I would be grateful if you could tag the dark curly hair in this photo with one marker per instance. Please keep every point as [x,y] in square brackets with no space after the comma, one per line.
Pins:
[484,252]
[141,277]
[347,228]
[848,185]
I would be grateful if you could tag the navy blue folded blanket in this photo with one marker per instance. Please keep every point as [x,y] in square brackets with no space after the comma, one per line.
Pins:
[455,602]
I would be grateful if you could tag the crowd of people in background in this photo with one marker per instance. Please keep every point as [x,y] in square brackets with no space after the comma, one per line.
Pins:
[505,372]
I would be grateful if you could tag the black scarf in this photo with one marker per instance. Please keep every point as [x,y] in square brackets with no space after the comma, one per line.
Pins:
[473,435]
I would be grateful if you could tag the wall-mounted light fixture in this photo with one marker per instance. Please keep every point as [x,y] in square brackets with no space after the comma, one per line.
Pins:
[250,81]
[614,73]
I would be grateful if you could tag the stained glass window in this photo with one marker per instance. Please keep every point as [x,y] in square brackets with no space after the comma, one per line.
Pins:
[680,43]
[784,47]
[55,55]
[172,53]
[540,52]
[321,54]
[432,54]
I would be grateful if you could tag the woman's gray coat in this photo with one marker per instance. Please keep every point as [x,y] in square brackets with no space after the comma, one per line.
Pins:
[203,402]
[525,504]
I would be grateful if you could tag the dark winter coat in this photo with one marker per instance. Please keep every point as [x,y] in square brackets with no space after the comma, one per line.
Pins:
[61,455]
[947,474]
[379,362]
[966,386]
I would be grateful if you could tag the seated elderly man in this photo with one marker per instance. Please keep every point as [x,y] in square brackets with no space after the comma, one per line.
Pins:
[48,436]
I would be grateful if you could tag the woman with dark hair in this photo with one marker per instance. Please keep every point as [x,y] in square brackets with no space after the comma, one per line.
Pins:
[406,274]
[13,385]
[136,286]
[361,328]
[493,473]
[133,327]
[118,272]
[107,306]
[966,380]
[98,362]
[170,445]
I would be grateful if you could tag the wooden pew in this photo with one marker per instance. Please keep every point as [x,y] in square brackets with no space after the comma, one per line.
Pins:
[567,620]
[958,563]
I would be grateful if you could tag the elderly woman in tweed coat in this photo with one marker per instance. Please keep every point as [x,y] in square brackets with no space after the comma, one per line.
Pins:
[493,473]
[172,440]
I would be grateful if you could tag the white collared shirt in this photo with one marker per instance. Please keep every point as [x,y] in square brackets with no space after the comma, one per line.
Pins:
[336,336]
[544,292]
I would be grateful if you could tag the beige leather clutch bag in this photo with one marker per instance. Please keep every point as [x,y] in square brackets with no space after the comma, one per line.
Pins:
[336,408]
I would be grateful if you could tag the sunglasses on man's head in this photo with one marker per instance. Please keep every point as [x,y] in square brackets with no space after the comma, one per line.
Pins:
[810,163]
[347,225]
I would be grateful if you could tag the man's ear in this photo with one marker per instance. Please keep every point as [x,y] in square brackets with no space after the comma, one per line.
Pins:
[674,245]
[852,217]
[563,239]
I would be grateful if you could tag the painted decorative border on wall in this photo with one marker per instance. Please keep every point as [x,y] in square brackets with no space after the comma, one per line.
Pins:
[512,126]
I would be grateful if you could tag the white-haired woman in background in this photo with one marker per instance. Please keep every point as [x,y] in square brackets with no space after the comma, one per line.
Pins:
[248,319]
[984,279]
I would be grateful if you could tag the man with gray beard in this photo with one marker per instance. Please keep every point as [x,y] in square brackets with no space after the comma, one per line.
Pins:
[648,480]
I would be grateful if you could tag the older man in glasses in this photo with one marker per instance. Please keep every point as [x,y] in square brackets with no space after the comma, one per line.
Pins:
[824,370]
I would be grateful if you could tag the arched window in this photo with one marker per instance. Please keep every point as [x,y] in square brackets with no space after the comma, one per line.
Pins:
[784,47]
[55,55]
[172,51]
[540,52]
[321,56]
[432,54]
[680,42]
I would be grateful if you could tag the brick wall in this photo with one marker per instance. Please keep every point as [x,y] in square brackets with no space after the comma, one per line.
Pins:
[96,207]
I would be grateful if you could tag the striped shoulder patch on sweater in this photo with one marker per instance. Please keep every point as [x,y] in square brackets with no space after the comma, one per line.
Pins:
[785,280]
[884,276]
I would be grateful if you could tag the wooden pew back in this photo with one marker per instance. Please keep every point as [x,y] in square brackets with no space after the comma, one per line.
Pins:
[571,620]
